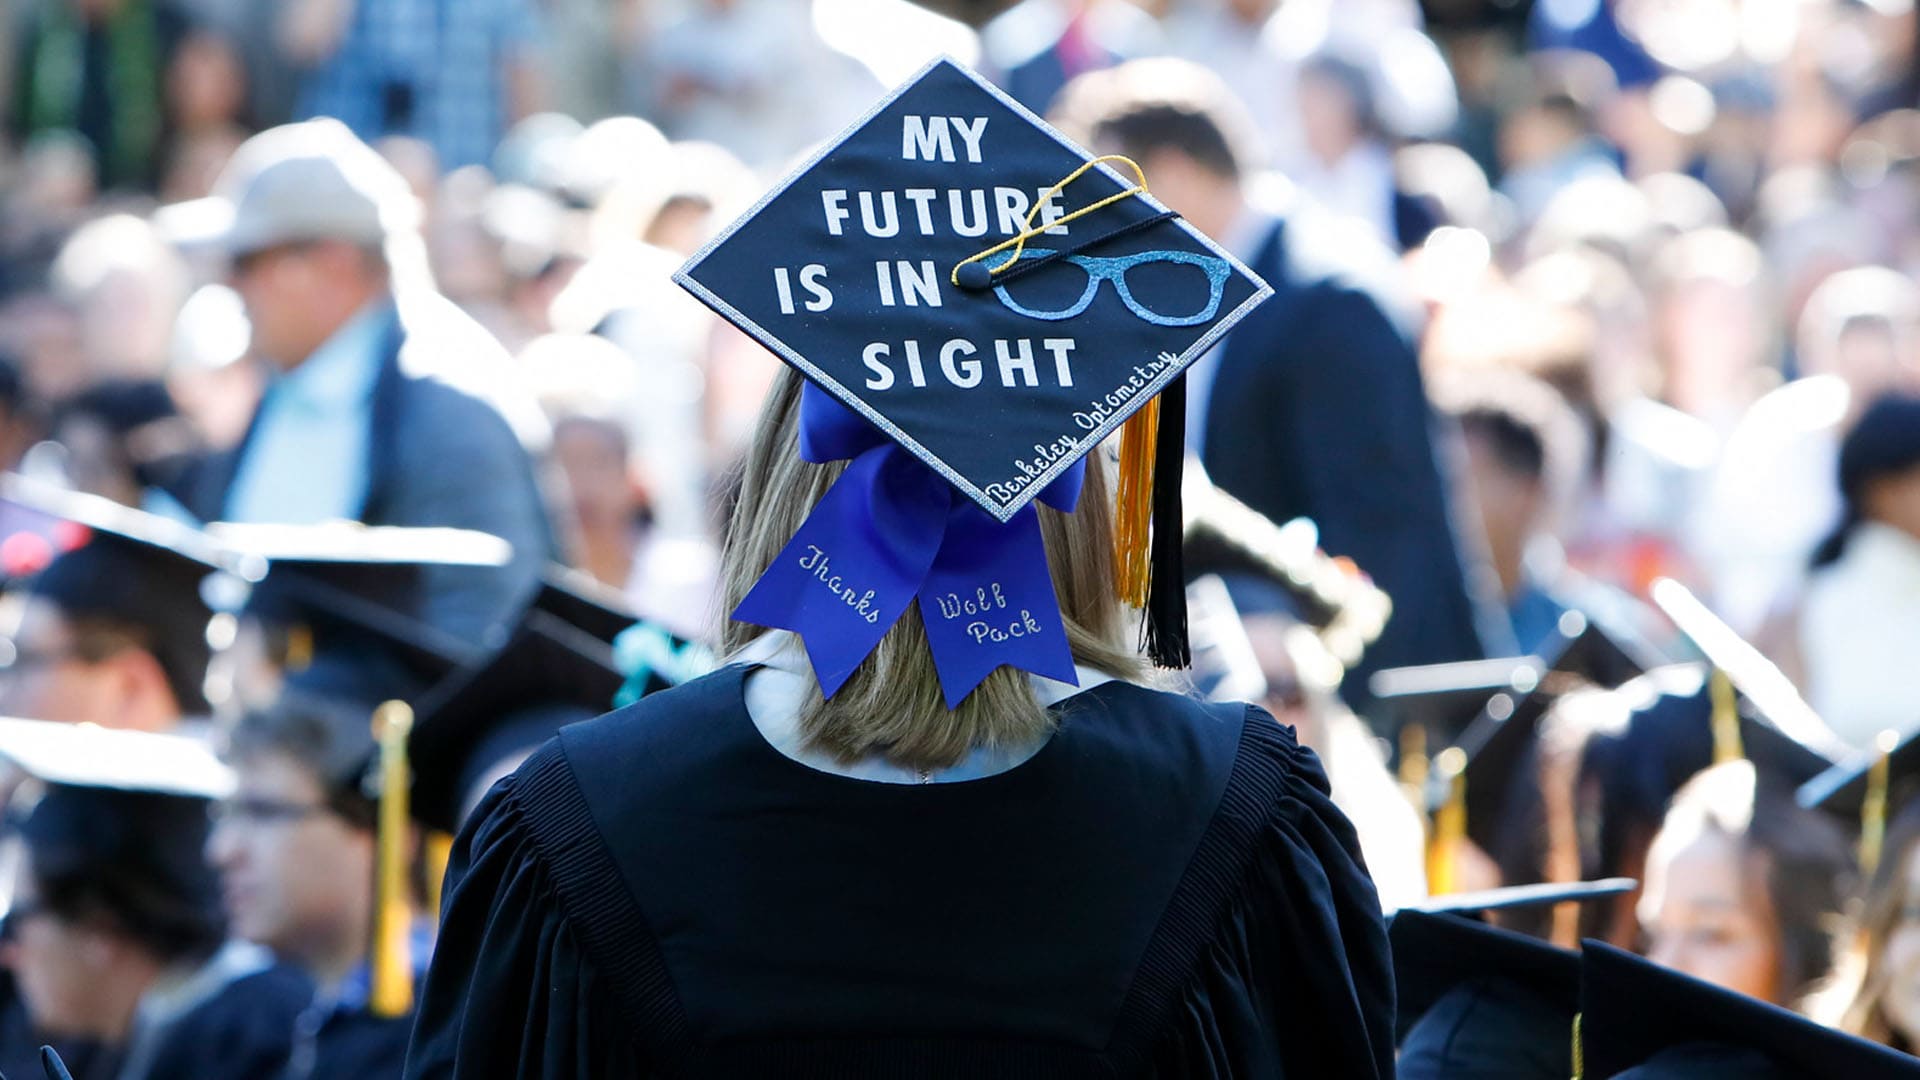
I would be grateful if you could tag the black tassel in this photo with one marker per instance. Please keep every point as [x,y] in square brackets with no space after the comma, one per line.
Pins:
[1165,626]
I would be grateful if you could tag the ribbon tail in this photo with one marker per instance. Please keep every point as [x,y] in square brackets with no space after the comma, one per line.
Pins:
[854,564]
[988,602]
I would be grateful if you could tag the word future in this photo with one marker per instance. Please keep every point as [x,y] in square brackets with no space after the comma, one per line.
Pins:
[966,212]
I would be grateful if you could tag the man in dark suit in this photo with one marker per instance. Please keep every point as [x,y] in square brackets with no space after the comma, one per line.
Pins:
[383,408]
[1313,406]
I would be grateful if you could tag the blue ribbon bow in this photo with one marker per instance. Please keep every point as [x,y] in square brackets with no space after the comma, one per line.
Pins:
[890,531]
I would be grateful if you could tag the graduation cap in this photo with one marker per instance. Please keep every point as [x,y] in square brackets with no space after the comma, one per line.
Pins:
[1497,742]
[1225,667]
[1226,536]
[128,804]
[132,568]
[346,599]
[1432,704]
[1647,1022]
[1869,788]
[976,304]
[585,603]
[1479,1000]
[1772,696]
[547,675]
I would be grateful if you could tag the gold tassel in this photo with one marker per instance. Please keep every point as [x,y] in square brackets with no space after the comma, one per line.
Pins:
[392,990]
[1449,825]
[1579,1051]
[1727,744]
[1413,761]
[1873,809]
[439,853]
[1134,506]
[299,655]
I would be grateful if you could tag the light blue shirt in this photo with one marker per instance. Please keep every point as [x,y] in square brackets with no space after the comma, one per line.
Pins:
[307,460]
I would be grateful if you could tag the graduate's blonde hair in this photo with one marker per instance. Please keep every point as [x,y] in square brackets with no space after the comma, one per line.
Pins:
[892,706]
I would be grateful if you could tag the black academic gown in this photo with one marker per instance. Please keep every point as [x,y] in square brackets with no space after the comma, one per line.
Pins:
[242,1032]
[1165,889]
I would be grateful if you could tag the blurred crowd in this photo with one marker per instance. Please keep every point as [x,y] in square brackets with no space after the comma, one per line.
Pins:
[1580,296]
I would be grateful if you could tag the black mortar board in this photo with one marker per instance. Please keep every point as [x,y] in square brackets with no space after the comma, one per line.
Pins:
[1129,294]
[1478,1000]
[994,301]
[128,804]
[133,568]
[1647,1022]
[1773,697]
[584,602]
[1842,789]
[1498,742]
[547,675]
[353,594]
[1444,698]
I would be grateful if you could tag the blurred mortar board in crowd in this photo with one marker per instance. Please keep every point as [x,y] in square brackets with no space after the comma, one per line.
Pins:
[1750,708]
[340,602]
[313,180]
[476,725]
[1752,675]
[1225,667]
[134,801]
[1497,744]
[89,756]
[1424,707]
[649,656]
[1483,993]
[1642,1021]
[1868,790]
[1222,535]
[99,559]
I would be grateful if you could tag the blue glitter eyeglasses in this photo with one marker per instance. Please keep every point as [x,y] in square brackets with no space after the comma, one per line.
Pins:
[1115,269]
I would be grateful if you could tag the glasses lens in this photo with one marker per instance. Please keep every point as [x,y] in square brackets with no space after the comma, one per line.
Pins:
[1169,289]
[1053,289]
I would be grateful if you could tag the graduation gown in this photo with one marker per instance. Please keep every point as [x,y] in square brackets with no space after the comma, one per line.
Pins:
[1164,889]
[243,1031]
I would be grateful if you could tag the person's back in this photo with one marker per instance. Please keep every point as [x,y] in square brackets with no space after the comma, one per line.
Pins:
[1164,887]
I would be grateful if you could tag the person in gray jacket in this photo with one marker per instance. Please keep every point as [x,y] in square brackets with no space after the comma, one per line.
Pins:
[385,404]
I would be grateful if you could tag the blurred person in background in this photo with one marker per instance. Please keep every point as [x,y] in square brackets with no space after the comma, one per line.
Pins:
[294,848]
[116,935]
[1744,888]
[609,524]
[1553,138]
[453,74]
[727,72]
[1772,498]
[1524,465]
[1859,627]
[207,115]
[96,68]
[113,632]
[125,440]
[1281,424]
[1349,166]
[1035,48]
[125,286]
[373,413]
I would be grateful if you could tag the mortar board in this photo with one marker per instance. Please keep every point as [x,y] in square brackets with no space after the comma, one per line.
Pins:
[1478,1000]
[547,675]
[1498,743]
[1868,790]
[975,303]
[125,812]
[1642,1021]
[585,603]
[148,574]
[1443,699]
[1772,697]
[346,599]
